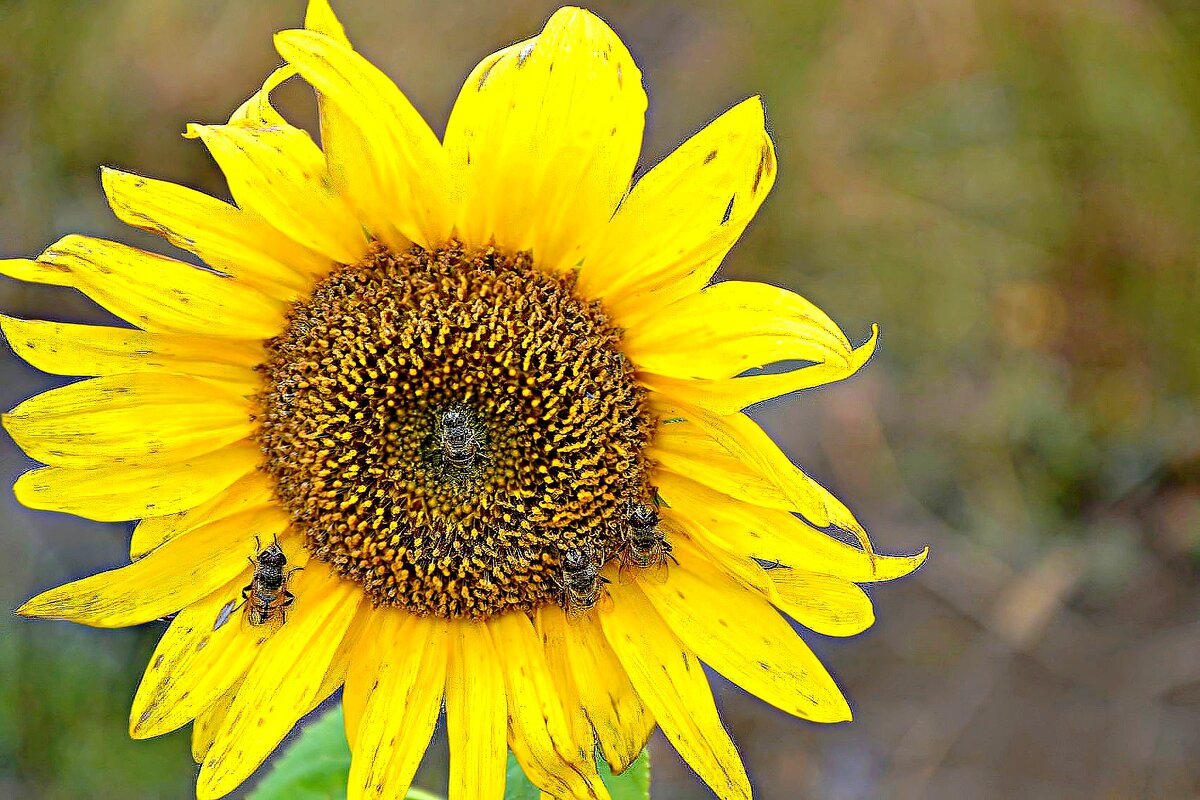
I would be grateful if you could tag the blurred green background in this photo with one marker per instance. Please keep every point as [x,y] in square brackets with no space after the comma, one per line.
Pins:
[1011,188]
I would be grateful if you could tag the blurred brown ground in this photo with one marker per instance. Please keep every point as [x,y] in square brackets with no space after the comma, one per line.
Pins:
[1009,187]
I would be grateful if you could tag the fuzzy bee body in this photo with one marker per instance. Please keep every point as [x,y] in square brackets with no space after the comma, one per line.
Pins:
[458,439]
[643,543]
[266,596]
[581,582]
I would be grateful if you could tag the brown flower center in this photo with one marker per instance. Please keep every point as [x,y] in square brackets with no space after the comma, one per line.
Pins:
[446,426]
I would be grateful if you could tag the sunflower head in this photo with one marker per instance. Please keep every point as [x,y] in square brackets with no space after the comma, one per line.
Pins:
[485,399]
[445,427]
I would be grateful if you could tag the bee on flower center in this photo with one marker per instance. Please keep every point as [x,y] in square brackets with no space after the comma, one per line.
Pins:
[459,438]
[643,543]
[266,595]
[581,581]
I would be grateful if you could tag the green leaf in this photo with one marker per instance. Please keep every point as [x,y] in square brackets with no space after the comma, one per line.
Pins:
[517,786]
[316,766]
[632,784]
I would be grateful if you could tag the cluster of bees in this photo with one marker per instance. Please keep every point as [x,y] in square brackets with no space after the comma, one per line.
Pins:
[581,585]
[643,545]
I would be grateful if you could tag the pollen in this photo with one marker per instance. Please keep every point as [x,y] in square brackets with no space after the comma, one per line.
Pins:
[444,426]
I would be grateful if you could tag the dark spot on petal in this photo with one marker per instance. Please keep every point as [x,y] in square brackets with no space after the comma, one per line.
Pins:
[711,155]
[764,163]
[486,72]
[728,210]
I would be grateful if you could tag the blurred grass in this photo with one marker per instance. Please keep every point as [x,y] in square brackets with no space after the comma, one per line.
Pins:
[1010,188]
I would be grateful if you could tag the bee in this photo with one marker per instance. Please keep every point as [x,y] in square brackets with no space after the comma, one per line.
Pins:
[643,543]
[267,591]
[581,581]
[458,438]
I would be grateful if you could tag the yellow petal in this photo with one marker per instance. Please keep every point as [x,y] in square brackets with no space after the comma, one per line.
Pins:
[537,728]
[730,395]
[223,236]
[738,566]
[776,536]
[829,605]
[671,233]
[251,491]
[114,493]
[381,153]
[209,721]
[731,327]
[546,136]
[823,603]
[66,349]
[476,712]
[734,455]
[205,652]
[335,675]
[140,418]
[319,17]
[257,111]
[156,293]
[672,684]
[172,577]
[368,653]
[282,684]
[279,174]
[24,269]
[741,636]
[621,722]
[550,623]
[400,707]
[350,167]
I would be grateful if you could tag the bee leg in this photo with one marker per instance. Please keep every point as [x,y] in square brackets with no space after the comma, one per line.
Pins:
[288,599]
[246,593]
[293,571]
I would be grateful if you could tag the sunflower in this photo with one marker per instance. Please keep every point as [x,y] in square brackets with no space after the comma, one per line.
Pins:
[449,423]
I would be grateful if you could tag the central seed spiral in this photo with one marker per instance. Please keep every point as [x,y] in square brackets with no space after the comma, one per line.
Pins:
[443,426]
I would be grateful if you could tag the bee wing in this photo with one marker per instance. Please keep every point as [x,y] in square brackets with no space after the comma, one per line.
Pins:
[626,571]
[605,603]
[224,614]
[657,571]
